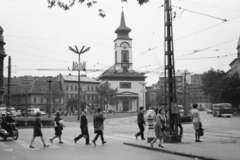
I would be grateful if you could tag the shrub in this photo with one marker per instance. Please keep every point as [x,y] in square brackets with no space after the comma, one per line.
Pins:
[29,122]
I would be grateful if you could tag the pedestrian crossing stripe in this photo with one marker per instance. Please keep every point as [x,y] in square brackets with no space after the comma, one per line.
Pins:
[68,140]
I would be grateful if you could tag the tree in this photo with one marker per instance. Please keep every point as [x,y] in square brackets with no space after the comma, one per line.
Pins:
[72,104]
[231,90]
[107,95]
[212,84]
[56,95]
[89,3]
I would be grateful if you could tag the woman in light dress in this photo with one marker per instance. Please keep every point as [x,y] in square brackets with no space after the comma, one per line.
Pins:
[196,120]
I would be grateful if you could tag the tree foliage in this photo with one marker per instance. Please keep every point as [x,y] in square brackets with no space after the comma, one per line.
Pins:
[107,95]
[56,95]
[231,90]
[222,87]
[72,104]
[67,5]
[212,84]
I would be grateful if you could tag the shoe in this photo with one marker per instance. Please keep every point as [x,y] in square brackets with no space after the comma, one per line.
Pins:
[45,145]
[61,142]
[198,141]
[104,142]
[50,140]
[94,143]
[88,143]
[143,139]
[31,147]
[75,141]
[151,144]
[136,137]
[160,146]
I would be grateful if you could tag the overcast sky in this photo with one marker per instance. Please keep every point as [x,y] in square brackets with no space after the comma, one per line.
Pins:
[38,37]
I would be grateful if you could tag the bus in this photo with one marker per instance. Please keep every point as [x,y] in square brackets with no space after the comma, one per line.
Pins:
[222,109]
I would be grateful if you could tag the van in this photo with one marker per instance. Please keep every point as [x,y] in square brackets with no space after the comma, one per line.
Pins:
[32,111]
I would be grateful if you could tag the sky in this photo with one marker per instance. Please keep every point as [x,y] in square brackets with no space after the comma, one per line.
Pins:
[205,35]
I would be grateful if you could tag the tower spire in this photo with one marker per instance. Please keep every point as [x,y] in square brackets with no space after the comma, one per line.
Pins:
[122,31]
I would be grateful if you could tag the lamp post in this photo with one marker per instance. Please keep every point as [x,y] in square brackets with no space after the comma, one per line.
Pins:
[143,85]
[49,80]
[79,68]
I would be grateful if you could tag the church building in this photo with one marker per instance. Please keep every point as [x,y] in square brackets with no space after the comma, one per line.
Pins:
[130,84]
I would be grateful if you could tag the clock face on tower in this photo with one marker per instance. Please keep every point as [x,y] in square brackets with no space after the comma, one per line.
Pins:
[125,45]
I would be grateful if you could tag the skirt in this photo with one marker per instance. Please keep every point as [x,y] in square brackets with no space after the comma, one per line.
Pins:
[58,131]
[37,132]
[158,132]
[196,125]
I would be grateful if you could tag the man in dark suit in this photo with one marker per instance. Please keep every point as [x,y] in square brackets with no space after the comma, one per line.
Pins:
[83,127]
[141,123]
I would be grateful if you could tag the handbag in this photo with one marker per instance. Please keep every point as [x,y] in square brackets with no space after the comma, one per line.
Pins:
[201,131]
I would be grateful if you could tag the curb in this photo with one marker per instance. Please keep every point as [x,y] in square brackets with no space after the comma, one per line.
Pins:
[170,152]
[30,127]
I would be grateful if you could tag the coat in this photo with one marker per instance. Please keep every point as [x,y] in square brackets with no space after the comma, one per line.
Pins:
[140,118]
[83,121]
[98,119]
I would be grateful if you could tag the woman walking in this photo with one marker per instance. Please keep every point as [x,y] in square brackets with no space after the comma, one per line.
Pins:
[98,119]
[58,128]
[37,132]
[159,128]
[196,122]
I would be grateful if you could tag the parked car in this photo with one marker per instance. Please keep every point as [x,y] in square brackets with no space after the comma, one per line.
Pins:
[209,110]
[42,113]
[32,111]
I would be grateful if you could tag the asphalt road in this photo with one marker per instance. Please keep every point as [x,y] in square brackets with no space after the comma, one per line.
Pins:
[116,132]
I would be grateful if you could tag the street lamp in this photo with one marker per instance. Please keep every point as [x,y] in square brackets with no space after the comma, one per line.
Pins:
[143,85]
[49,80]
[79,68]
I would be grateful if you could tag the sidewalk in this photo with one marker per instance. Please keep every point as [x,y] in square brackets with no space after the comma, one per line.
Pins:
[211,148]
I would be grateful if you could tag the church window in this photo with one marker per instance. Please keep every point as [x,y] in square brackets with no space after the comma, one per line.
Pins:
[125,57]
[125,84]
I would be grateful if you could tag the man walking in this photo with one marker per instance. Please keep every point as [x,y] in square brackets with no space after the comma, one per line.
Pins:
[98,119]
[83,127]
[141,123]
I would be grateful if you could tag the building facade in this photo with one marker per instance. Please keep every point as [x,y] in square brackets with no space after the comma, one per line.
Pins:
[88,92]
[36,95]
[2,56]
[196,95]
[235,64]
[130,84]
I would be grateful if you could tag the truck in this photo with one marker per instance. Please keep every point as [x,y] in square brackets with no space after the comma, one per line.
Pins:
[32,111]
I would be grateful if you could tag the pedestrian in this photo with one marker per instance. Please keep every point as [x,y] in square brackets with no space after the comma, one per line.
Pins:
[83,127]
[180,125]
[37,132]
[98,123]
[159,128]
[196,121]
[58,127]
[141,123]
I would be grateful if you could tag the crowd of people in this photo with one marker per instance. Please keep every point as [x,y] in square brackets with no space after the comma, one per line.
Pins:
[161,126]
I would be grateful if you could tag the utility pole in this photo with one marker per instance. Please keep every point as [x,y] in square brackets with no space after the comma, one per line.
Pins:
[185,93]
[79,68]
[170,82]
[9,84]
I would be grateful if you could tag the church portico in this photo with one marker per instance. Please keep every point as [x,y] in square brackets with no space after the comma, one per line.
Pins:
[127,101]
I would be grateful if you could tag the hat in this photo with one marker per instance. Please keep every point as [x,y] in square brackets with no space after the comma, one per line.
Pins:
[8,113]
[3,113]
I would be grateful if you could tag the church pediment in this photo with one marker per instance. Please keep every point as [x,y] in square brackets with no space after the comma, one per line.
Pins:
[127,93]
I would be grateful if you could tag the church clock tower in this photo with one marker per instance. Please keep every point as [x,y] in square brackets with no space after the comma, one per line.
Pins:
[123,47]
